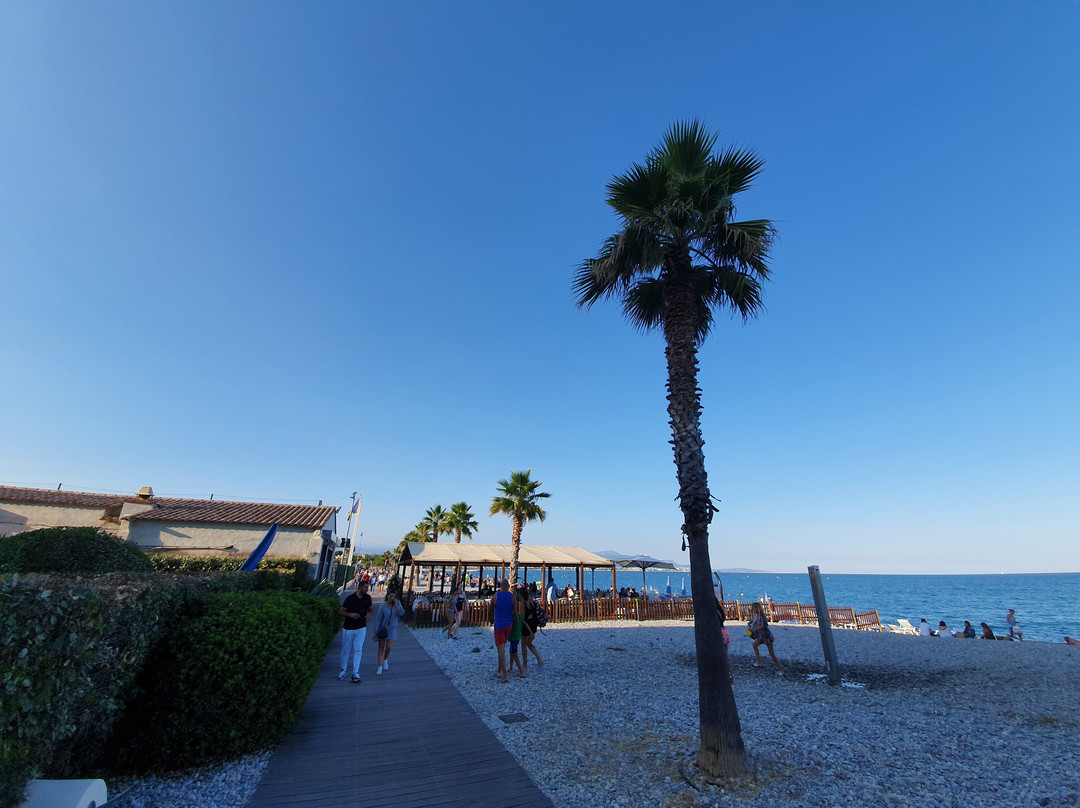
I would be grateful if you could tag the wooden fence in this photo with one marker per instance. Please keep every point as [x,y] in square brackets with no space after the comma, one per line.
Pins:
[426,615]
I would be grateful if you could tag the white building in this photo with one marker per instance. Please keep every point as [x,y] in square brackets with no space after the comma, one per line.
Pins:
[187,526]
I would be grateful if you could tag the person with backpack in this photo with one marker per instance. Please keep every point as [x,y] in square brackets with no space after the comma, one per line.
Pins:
[535,619]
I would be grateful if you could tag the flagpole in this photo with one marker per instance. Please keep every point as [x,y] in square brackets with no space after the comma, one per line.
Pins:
[354,517]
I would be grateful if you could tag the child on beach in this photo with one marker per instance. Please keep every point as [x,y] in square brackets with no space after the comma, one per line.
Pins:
[759,630]
[1014,626]
[515,640]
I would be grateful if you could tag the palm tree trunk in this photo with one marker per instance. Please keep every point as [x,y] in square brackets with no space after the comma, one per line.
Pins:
[515,548]
[457,536]
[721,753]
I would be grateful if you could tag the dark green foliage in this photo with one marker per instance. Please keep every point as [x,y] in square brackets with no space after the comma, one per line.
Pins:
[229,682]
[70,652]
[393,584]
[83,550]
[294,569]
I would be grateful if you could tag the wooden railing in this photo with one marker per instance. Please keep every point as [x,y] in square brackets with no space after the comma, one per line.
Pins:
[425,615]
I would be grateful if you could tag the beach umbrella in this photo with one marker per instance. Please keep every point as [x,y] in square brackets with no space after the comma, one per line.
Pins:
[667,589]
[258,553]
[684,587]
[644,562]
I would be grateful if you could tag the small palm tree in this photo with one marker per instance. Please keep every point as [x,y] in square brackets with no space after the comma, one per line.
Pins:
[519,500]
[679,256]
[436,522]
[462,522]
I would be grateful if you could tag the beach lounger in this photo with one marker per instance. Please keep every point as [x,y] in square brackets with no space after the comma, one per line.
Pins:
[906,627]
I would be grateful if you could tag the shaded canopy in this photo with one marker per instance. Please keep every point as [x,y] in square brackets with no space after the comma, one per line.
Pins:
[434,554]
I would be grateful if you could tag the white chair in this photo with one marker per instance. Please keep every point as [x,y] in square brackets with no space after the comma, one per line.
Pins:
[66,794]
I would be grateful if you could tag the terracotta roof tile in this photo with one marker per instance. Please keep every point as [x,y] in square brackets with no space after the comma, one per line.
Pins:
[41,496]
[167,509]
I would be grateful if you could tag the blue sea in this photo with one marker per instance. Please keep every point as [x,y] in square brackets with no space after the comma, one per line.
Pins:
[1047,605]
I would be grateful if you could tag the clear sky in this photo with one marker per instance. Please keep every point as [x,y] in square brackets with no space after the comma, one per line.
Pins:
[285,251]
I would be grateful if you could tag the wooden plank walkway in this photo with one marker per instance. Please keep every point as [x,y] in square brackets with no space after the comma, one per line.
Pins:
[406,739]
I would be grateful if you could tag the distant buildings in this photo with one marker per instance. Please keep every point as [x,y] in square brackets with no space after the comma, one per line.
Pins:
[186,526]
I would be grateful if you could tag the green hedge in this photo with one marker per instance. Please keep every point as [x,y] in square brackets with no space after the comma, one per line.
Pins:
[70,652]
[295,569]
[85,550]
[227,683]
[75,652]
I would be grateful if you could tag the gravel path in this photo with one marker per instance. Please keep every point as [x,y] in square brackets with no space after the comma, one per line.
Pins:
[929,722]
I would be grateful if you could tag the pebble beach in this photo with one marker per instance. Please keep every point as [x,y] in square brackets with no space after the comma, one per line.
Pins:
[612,718]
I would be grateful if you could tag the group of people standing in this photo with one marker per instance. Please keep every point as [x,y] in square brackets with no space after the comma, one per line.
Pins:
[517,622]
[968,632]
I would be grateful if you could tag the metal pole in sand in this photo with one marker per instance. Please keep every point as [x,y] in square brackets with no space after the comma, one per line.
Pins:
[824,627]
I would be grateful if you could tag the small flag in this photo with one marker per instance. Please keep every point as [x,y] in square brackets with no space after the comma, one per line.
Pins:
[355,509]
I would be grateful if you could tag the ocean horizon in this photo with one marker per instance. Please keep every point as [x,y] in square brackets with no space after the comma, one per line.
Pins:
[1047,604]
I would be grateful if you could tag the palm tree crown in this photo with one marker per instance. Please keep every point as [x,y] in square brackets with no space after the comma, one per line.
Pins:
[519,499]
[677,214]
[435,522]
[461,521]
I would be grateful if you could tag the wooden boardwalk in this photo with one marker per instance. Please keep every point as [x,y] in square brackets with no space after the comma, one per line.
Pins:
[406,739]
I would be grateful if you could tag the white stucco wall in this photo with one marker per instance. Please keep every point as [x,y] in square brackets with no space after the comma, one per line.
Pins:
[237,540]
[16,517]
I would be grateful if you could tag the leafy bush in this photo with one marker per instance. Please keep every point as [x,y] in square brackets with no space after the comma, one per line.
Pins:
[85,550]
[69,655]
[295,569]
[227,683]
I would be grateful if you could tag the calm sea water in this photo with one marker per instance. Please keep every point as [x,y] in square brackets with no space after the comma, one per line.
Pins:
[1047,605]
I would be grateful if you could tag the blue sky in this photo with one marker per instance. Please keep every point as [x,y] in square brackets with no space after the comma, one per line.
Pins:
[287,251]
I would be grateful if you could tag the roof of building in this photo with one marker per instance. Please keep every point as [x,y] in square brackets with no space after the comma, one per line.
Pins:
[167,509]
[432,553]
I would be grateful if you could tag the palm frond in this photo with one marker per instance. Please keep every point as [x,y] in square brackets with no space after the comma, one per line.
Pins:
[737,169]
[640,192]
[686,148]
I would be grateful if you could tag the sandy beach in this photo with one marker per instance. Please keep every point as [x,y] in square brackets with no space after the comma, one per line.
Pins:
[612,718]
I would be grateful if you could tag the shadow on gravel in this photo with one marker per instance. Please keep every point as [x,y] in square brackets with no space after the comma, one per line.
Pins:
[870,676]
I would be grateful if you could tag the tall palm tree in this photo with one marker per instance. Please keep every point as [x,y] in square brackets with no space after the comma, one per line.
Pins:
[436,522]
[462,522]
[519,499]
[677,258]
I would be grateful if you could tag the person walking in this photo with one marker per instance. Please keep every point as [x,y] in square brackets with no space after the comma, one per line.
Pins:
[532,625]
[502,607]
[386,626]
[451,616]
[461,607]
[759,630]
[356,610]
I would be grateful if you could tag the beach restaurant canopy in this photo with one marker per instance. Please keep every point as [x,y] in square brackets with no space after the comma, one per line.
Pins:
[496,557]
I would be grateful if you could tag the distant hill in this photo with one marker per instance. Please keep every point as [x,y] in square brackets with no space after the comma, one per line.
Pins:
[744,570]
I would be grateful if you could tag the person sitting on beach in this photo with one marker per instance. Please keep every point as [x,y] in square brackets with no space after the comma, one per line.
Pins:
[942,630]
[1071,641]
[967,634]
[924,629]
[1014,626]
[988,633]
[759,630]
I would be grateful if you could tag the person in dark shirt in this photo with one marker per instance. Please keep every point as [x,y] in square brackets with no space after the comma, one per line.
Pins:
[356,610]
